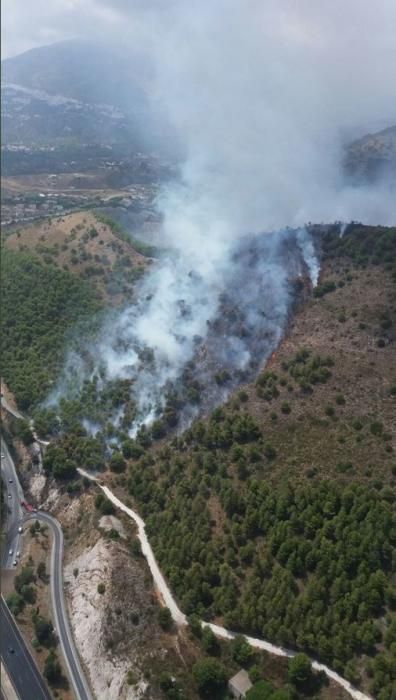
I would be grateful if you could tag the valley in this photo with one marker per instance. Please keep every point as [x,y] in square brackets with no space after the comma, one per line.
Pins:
[197,333]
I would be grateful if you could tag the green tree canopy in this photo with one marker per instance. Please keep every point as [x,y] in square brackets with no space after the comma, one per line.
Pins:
[299,670]
[210,677]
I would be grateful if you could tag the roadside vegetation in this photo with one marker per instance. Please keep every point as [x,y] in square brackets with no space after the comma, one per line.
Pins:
[29,603]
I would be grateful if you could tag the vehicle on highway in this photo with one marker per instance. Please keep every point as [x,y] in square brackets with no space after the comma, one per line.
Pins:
[18,554]
[28,507]
[11,552]
[11,650]
[10,481]
[20,529]
[14,563]
[9,495]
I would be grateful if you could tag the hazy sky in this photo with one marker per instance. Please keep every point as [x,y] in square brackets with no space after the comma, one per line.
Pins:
[29,24]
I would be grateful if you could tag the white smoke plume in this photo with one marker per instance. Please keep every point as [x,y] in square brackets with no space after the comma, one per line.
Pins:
[262,96]
[308,252]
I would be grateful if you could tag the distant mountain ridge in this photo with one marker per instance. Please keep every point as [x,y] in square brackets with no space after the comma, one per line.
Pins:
[81,92]
[373,155]
[31,116]
[80,70]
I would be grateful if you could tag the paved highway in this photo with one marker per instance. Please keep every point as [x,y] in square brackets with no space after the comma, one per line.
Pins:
[162,586]
[59,612]
[13,495]
[60,620]
[20,665]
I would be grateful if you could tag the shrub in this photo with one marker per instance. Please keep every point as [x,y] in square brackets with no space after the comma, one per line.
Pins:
[329,410]
[210,676]
[254,673]
[130,449]
[242,652]
[136,548]
[357,424]
[343,467]
[195,625]
[101,588]
[269,451]
[324,288]
[285,407]
[16,603]
[28,593]
[165,682]
[23,432]
[209,641]
[117,463]
[135,618]
[34,528]
[44,630]
[58,463]
[299,670]
[24,578]
[376,428]
[262,690]
[104,505]
[165,618]
[340,400]
[52,669]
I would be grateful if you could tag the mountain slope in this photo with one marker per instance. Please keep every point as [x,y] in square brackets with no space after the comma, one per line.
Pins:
[82,92]
[373,156]
[280,502]
[79,70]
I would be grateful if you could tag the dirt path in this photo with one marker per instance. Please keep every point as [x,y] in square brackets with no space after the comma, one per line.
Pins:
[179,617]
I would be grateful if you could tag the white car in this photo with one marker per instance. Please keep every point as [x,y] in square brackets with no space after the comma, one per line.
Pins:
[20,529]
[10,481]
[10,552]
[14,563]
[18,554]
[9,495]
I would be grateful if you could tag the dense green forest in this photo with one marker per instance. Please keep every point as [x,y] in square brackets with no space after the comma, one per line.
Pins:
[41,304]
[363,245]
[310,567]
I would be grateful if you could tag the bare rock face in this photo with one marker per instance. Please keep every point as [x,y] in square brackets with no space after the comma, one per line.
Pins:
[110,522]
[110,616]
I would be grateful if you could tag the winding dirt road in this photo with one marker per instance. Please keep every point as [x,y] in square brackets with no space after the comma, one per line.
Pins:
[179,617]
[221,632]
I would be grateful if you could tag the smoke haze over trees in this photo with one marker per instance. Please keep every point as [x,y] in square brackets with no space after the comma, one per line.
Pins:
[262,98]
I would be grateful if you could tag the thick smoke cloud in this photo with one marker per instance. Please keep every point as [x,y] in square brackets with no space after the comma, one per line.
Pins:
[262,96]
